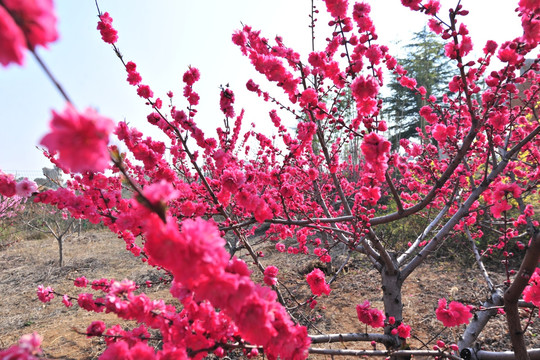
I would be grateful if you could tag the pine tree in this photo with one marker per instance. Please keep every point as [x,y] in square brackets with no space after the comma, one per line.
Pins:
[424,61]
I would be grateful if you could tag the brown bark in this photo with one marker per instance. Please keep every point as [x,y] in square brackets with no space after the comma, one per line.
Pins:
[513,294]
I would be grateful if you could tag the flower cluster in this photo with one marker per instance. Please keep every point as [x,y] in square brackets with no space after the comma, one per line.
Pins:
[317,282]
[455,314]
[370,316]
[108,33]
[532,291]
[80,139]
[9,187]
[25,24]
[305,184]
[254,310]
[29,348]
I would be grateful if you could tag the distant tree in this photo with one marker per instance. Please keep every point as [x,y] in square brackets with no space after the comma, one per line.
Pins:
[52,178]
[425,62]
[48,220]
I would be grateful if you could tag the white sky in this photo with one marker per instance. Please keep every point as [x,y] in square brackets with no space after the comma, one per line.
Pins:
[165,36]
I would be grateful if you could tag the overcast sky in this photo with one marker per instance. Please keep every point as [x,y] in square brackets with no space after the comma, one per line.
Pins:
[164,37]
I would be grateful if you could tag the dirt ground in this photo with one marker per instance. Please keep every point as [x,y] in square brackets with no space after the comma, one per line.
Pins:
[99,254]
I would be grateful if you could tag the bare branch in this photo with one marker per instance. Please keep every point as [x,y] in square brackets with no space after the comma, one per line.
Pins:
[479,260]
[384,353]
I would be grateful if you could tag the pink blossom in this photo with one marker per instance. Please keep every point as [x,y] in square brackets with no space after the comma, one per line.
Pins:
[337,8]
[532,291]
[145,92]
[45,294]
[375,147]
[66,301]
[8,185]
[499,207]
[25,23]
[80,282]
[435,26]
[86,302]
[439,133]
[364,88]
[12,41]
[280,247]
[407,82]
[26,188]
[455,315]
[404,331]
[507,53]
[412,4]
[140,351]
[309,98]
[29,345]
[530,5]
[160,192]
[191,76]
[232,180]
[306,130]
[361,17]
[531,26]
[490,47]
[317,283]
[96,328]
[427,113]
[134,78]
[499,119]
[226,102]
[432,7]
[370,316]
[108,33]
[80,139]
[270,275]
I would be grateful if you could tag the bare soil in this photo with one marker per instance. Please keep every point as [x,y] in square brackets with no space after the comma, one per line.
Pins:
[99,254]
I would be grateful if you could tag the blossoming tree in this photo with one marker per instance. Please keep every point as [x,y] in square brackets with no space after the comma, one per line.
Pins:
[481,159]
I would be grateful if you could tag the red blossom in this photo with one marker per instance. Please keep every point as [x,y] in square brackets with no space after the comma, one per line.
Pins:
[309,98]
[532,291]
[454,315]
[270,275]
[108,33]
[337,8]
[232,180]
[226,102]
[8,185]
[490,47]
[96,328]
[28,348]
[144,91]
[435,26]
[432,7]
[317,282]
[80,139]
[80,282]
[45,294]
[412,4]
[404,331]
[375,147]
[370,316]
[364,88]
[25,24]
[191,76]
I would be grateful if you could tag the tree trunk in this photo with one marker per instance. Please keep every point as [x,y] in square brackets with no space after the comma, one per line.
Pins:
[513,294]
[393,306]
[60,250]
